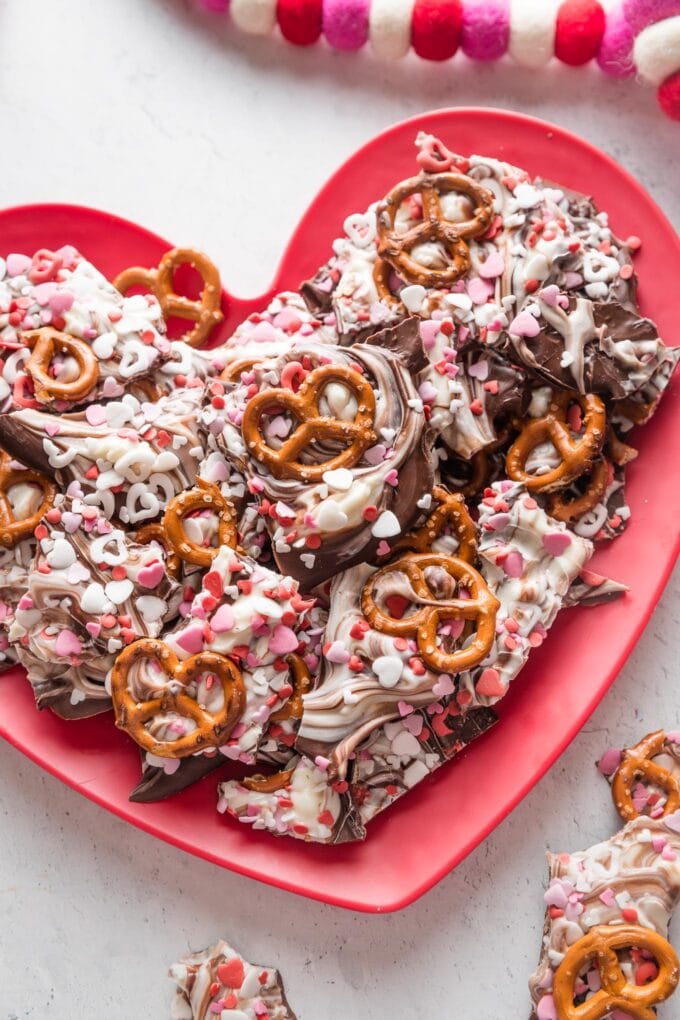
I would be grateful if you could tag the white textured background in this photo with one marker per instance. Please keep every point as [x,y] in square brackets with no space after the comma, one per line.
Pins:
[219,141]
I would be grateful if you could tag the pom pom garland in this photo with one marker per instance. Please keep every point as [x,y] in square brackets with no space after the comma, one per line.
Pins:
[632,35]
[435,28]
[579,31]
[485,29]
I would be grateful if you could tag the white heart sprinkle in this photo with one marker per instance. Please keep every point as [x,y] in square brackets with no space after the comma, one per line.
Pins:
[388,669]
[386,525]
[413,297]
[93,600]
[62,555]
[330,517]
[340,480]
[308,559]
[405,744]
[104,346]
[151,608]
[119,591]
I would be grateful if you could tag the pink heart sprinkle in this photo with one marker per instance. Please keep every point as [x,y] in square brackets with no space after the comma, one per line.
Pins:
[191,640]
[480,370]
[283,640]
[414,724]
[95,414]
[498,521]
[263,332]
[222,620]
[607,898]
[392,477]
[494,266]
[93,629]
[152,575]
[429,330]
[524,324]
[555,896]
[555,542]
[479,290]
[672,821]
[443,686]
[61,301]
[610,761]
[546,1008]
[550,295]
[67,643]
[383,548]
[513,564]
[18,264]
[52,428]
[668,853]
[405,708]
[489,684]
[43,292]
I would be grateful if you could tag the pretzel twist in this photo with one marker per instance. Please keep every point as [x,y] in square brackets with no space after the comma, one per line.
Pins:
[576,454]
[313,427]
[206,312]
[155,532]
[638,766]
[302,683]
[562,508]
[600,946]
[480,609]
[204,496]
[44,344]
[12,530]
[450,512]
[396,249]
[211,729]
[268,784]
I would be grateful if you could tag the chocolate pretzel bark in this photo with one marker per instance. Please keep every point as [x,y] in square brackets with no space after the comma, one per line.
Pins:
[109,340]
[257,619]
[335,445]
[15,564]
[632,879]
[645,778]
[219,981]
[128,457]
[89,591]
[529,561]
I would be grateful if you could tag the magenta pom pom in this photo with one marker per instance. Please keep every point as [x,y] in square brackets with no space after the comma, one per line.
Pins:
[616,50]
[345,23]
[641,13]
[669,96]
[485,29]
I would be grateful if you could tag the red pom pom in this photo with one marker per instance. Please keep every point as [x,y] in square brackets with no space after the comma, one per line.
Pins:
[579,31]
[436,27]
[300,20]
[669,96]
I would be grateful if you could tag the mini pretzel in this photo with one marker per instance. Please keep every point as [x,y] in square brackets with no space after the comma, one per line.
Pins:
[313,427]
[12,530]
[206,312]
[562,508]
[396,248]
[148,389]
[576,455]
[450,512]
[205,496]
[616,992]
[637,766]
[211,730]
[480,608]
[45,343]
[302,683]
[234,371]
[268,784]
[155,532]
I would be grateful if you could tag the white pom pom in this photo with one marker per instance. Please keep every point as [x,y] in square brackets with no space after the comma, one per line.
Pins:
[255,16]
[532,32]
[390,28]
[657,51]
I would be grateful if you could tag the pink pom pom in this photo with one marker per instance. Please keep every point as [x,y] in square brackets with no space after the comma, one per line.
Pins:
[485,29]
[616,50]
[641,13]
[214,6]
[669,96]
[579,31]
[345,23]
